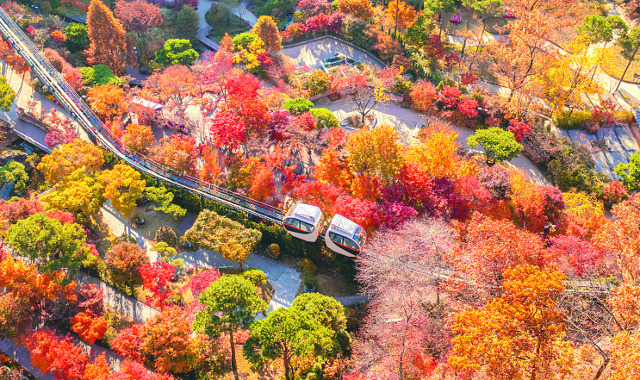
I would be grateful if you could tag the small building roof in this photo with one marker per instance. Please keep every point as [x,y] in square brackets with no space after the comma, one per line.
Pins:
[147,103]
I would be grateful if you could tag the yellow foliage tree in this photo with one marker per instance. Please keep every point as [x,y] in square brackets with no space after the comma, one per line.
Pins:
[376,152]
[519,335]
[572,77]
[69,158]
[123,187]
[249,56]
[78,193]
[625,356]
[581,204]
[436,153]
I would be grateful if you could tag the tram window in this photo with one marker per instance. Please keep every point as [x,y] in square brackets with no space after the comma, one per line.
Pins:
[335,238]
[351,244]
[306,227]
[293,223]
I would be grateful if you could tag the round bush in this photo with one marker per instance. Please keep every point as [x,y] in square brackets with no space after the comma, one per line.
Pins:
[307,266]
[167,235]
[243,39]
[298,106]
[324,118]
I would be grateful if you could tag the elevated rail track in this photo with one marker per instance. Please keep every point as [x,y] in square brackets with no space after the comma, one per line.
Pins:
[96,129]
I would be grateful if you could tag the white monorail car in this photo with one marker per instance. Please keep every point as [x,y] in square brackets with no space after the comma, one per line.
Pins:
[304,222]
[345,236]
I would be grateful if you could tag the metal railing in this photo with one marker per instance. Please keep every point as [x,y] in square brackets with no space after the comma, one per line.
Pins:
[90,122]
[85,116]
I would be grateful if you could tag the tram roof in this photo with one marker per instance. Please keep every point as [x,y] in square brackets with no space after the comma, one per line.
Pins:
[308,212]
[343,225]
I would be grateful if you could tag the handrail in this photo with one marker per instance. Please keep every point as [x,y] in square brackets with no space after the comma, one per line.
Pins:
[94,126]
[90,122]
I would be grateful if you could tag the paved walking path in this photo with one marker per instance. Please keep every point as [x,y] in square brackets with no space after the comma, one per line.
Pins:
[240,11]
[407,123]
[21,355]
[285,281]
[351,300]
[24,93]
[312,52]
[126,305]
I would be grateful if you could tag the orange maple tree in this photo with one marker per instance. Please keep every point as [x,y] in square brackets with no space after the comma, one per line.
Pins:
[622,236]
[98,369]
[358,8]
[107,37]
[25,282]
[489,247]
[89,326]
[179,152]
[262,184]
[53,354]
[268,32]
[167,340]
[334,169]
[108,101]
[128,343]
[406,15]
[138,137]
[519,335]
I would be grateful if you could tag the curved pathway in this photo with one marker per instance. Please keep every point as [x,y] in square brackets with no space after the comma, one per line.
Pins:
[240,10]
[407,123]
[310,53]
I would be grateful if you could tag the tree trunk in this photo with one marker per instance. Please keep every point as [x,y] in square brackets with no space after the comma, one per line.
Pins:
[626,68]
[234,365]
[286,363]
[401,360]
[464,44]
[596,68]
[396,27]
[241,268]
[484,27]
[601,369]
[475,57]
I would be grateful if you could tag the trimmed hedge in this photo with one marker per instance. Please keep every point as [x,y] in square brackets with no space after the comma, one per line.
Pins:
[574,120]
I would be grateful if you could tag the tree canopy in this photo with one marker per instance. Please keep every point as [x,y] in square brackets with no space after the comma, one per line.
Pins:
[221,234]
[231,302]
[500,145]
[7,95]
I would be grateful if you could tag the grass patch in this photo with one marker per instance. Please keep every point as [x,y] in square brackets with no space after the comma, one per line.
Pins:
[475,25]
[70,10]
[224,22]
